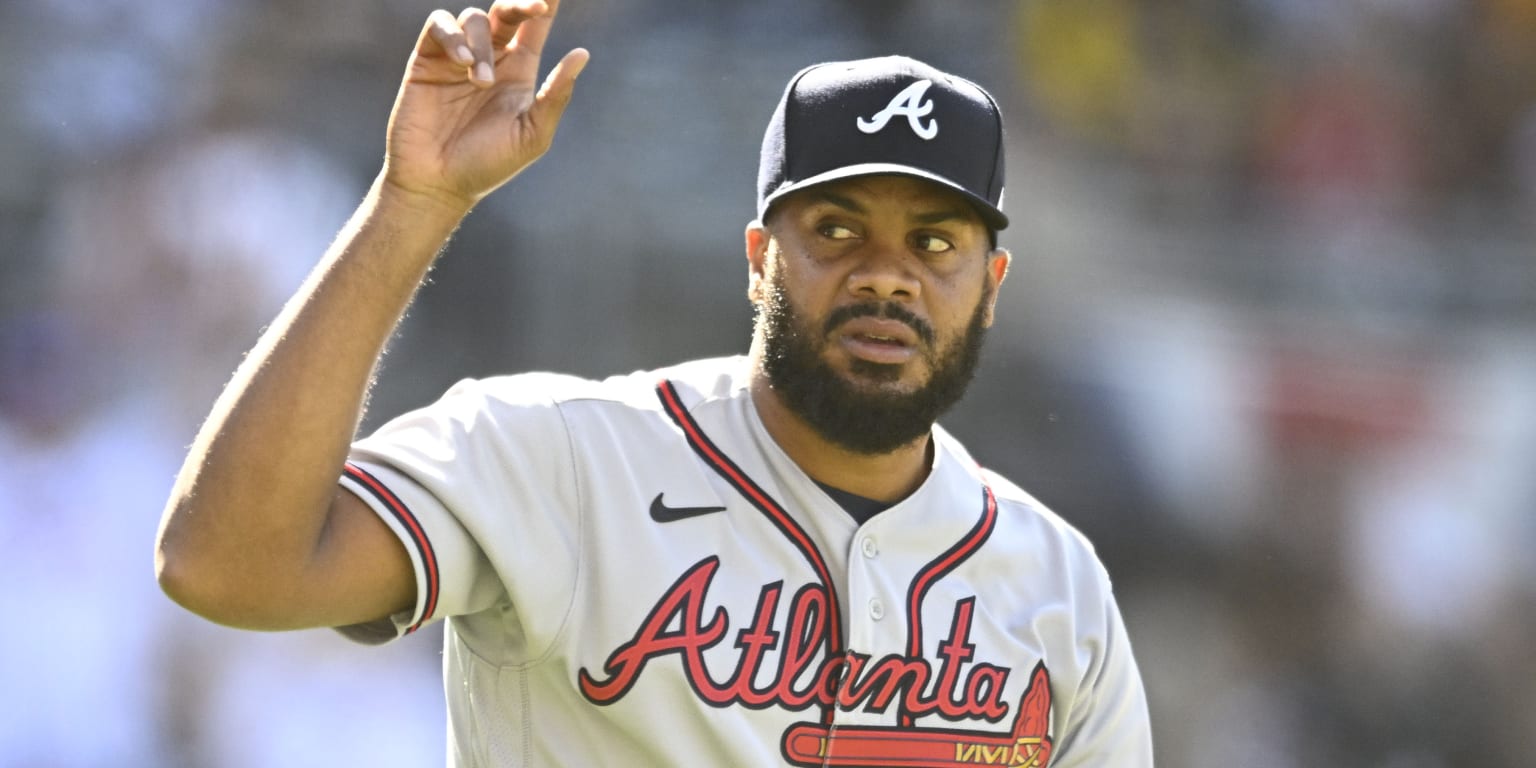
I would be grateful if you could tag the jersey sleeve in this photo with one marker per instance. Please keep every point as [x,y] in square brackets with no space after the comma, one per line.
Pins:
[458,482]
[1110,723]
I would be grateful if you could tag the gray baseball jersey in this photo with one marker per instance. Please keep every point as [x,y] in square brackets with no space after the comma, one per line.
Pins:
[634,573]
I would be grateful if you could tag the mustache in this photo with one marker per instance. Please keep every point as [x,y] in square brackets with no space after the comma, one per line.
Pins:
[887,309]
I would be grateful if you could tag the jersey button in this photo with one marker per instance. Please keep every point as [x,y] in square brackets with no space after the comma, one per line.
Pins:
[876,609]
[868,545]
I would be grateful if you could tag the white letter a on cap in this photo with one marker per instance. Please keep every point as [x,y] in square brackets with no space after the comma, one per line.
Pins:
[910,103]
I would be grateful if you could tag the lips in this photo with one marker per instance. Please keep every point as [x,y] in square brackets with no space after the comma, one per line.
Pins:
[878,339]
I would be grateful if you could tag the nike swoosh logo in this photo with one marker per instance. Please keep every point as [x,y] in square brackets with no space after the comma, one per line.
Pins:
[662,513]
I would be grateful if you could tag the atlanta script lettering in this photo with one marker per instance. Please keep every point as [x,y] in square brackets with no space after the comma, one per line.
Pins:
[850,680]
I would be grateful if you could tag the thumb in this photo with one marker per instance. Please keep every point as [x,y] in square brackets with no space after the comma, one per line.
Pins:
[550,102]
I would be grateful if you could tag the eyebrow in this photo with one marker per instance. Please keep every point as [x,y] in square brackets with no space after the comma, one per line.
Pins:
[929,218]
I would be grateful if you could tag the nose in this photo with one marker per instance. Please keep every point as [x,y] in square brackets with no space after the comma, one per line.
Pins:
[884,271]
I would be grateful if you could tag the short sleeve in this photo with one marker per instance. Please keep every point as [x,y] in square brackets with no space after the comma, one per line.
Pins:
[1111,723]
[455,476]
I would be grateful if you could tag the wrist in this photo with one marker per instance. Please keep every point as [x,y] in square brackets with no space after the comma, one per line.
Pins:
[438,206]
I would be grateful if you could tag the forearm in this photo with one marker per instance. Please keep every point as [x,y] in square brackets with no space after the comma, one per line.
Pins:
[252,498]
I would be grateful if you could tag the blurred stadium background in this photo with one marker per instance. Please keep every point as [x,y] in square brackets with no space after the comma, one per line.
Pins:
[1270,337]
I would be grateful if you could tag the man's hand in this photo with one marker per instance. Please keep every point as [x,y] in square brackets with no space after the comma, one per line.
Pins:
[467,117]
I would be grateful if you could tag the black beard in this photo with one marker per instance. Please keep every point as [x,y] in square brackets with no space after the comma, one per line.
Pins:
[863,419]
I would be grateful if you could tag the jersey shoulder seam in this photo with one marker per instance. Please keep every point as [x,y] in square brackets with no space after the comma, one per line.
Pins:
[581,534]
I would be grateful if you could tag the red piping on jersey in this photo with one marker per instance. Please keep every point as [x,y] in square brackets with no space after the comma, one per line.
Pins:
[402,513]
[940,567]
[727,469]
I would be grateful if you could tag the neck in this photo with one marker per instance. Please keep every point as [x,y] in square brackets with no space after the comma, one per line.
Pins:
[888,477]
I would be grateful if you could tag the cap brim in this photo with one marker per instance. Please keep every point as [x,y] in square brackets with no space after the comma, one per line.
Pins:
[990,214]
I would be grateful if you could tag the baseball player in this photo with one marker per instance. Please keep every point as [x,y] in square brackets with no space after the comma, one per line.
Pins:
[771,559]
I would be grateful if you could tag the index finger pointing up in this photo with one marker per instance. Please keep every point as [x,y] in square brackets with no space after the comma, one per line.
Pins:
[525,21]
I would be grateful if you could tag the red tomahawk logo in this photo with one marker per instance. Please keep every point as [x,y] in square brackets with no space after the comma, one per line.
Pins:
[1027,746]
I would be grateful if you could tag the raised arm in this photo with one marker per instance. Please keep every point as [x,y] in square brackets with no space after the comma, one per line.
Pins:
[256,532]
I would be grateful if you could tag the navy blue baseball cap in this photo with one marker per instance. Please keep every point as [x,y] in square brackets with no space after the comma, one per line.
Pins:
[885,115]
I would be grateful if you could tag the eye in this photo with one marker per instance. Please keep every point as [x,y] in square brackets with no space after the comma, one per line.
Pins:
[932,243]
[836,232]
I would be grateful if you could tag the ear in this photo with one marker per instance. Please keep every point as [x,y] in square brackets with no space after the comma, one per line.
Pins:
[757,256]
[997,270]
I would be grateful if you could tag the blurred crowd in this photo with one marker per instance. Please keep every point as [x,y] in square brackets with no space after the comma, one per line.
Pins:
[1269,338]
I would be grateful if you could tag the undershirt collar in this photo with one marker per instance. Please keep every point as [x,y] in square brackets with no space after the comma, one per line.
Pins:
[860,508]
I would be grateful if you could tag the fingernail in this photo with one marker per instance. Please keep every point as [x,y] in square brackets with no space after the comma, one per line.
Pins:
[462,54]
[483,72]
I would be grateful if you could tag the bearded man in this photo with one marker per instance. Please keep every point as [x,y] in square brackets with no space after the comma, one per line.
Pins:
[771,559]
